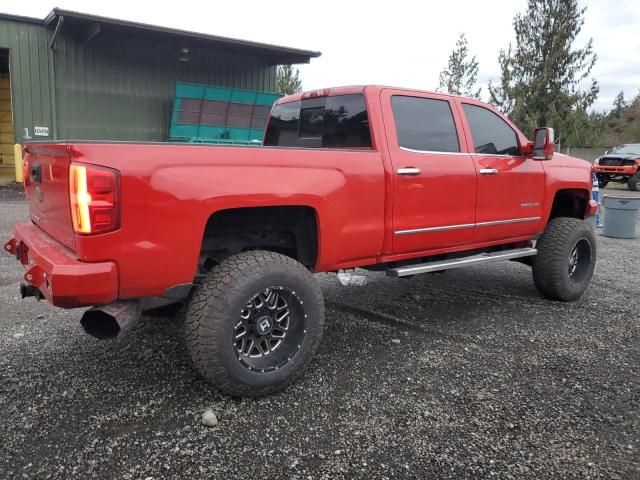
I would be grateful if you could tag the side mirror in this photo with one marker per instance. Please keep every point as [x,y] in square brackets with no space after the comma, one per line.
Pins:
[543,143]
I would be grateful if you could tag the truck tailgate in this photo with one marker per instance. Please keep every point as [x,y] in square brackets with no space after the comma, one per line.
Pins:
[47,189]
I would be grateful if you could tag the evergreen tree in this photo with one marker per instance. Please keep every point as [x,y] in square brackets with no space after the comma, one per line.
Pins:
[288,80]
[543,72]
[461,73]
[619,104]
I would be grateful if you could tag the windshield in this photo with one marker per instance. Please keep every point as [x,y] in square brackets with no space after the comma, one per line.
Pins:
[339,121]
[633,148]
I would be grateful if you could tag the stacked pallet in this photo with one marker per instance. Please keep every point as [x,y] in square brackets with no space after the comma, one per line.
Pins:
[210,114]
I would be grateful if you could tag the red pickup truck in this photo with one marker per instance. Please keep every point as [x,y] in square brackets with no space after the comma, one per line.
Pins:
[621,164]
[390,179]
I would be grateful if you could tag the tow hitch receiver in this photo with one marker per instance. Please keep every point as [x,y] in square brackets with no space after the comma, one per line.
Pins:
[30,291]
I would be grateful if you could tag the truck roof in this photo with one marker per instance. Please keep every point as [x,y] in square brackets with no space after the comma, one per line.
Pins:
[353,89]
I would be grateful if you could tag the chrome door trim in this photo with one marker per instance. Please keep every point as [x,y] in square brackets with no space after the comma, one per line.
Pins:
[505,222]
[431,152]
[498,155]
[434,229]
[443,228]
[473,154]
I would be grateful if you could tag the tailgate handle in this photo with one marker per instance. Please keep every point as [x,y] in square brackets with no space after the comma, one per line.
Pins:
[36,172]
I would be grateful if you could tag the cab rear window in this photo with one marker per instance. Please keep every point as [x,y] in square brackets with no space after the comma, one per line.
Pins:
[339,121]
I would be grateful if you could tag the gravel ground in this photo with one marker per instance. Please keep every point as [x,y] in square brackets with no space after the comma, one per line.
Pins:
[487,379]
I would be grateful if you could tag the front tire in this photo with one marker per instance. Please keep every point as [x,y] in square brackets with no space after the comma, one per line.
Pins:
[566,258]
[602,181]
[255,323]
[634,182]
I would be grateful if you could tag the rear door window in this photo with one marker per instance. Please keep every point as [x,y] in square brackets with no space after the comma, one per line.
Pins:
[339,121]
[424,124]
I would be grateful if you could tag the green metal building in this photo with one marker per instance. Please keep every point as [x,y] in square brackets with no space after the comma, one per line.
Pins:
[80,76]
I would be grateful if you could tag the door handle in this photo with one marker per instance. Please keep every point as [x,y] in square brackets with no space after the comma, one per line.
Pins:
[488,171]
[408,171]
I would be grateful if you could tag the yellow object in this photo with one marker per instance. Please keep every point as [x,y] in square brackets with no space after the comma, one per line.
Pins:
[17,162]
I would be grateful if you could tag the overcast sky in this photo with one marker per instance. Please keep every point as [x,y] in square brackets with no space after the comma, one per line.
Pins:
[400,43]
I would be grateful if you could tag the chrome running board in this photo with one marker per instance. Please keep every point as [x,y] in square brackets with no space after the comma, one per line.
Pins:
[461,262]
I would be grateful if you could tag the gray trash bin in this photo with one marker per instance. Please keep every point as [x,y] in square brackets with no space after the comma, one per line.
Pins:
[621,216]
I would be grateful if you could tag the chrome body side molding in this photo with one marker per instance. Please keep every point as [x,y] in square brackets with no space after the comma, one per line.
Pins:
[443,228]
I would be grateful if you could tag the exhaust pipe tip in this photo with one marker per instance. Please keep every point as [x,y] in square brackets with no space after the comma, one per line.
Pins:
[100,324]
[110,320]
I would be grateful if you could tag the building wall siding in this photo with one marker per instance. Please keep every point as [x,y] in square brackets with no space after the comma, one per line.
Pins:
[122,88]
[30,75]
[114,87]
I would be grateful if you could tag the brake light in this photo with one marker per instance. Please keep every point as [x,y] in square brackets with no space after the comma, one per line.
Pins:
[93,195]
[316,93]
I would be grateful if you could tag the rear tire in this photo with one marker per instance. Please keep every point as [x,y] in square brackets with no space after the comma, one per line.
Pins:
[634,182]
[566,258]
[255,323]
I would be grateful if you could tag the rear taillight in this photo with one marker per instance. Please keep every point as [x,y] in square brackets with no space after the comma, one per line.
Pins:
[94,192]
